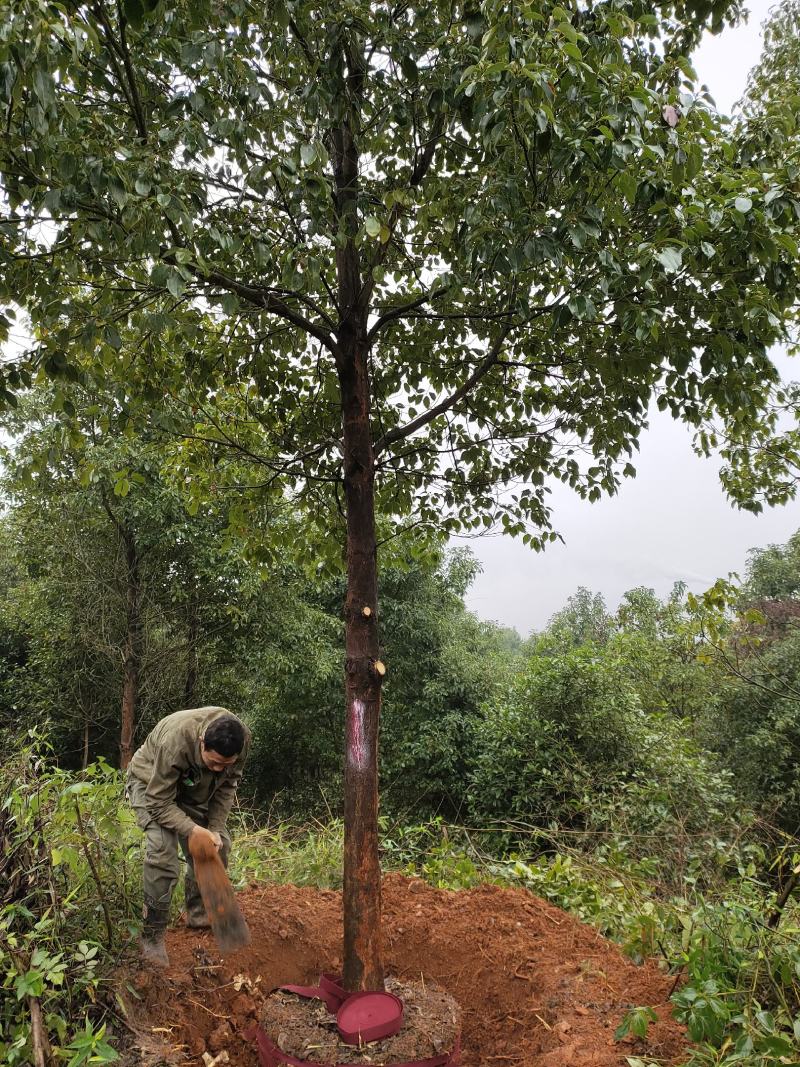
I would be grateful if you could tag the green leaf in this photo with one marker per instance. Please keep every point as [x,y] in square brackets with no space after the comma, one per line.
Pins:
[743,204]
[30,984]
[176,284]
[308,153]
[372,226]
[671,258]
[67,166]
[134,12]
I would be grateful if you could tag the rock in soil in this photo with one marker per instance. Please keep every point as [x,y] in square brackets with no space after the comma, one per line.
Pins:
[537,988]
[220,1038]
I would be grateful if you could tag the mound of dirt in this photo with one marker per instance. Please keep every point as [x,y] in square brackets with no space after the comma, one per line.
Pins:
[537,988]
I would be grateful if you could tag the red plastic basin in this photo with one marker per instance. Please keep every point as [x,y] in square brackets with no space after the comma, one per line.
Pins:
[365,1017]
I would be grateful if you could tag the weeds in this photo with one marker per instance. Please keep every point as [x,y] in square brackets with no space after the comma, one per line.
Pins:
[70,871]
[68,878]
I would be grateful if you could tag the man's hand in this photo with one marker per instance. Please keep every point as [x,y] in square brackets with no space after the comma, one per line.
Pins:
[200,835]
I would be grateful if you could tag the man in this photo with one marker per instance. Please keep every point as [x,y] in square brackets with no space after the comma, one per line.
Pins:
[181,784]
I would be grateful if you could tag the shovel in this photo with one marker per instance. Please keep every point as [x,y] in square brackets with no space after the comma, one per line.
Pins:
[227,922]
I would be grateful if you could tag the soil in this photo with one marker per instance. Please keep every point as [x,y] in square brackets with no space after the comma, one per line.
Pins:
[431,1025]
[227,922]
[537,988]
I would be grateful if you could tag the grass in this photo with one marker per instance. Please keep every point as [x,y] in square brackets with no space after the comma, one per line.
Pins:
[738,982]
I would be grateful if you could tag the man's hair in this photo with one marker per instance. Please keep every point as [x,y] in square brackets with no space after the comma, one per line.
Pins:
[225,735]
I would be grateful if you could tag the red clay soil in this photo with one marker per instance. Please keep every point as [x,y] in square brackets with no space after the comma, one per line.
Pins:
[219,899]
[537,987]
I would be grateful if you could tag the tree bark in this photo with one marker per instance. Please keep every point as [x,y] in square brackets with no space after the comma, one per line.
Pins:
[363,963]
[132,652]
[42,1052]
[783,899]
[190,686]
[363,966]
[85,755]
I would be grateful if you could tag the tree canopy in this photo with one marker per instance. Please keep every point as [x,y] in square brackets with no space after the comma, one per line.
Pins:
[411,260]
[550,226]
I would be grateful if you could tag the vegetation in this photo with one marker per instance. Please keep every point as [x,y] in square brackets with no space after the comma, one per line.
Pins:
[301,304]
[614,764]
[399,259]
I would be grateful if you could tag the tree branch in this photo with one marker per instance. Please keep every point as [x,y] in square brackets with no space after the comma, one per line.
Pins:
[401,432]
[261,298]
[421,166]
[95,874]
[423,161]
[128,83]
[141,125]
[401,310]
[313,62]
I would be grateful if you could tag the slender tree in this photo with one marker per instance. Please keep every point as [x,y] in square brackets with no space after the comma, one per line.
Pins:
[436,253]
[119,586]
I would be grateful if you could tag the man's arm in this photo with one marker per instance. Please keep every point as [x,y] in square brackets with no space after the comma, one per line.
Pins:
[162,791]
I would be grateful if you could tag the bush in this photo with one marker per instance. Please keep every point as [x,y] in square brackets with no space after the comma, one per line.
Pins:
[571,748]
[566,729]
[69,880]
[757,728]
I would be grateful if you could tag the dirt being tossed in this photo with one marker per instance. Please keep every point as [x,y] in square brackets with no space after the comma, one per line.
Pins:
[537,988]
[227,922]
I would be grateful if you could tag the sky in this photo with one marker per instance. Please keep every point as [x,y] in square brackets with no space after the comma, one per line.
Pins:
[673,522]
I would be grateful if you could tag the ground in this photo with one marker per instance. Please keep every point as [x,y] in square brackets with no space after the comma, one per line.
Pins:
[537,987]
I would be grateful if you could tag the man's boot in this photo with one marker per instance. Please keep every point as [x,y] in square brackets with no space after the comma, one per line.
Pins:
[196,916]
[152,947]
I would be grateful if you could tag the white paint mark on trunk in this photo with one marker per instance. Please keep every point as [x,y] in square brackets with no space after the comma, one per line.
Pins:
[357,754]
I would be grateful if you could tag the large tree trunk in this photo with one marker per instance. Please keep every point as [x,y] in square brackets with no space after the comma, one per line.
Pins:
[363,967]
[132,652]
[363,964]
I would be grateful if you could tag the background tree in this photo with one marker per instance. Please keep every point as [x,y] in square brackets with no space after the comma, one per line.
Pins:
[754,640]
[583,619]
[113,585]
[454,248]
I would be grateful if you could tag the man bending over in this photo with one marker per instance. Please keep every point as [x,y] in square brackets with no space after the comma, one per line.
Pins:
[181,784]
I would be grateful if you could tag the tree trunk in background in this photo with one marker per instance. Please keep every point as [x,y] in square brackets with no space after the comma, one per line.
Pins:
[132,653]
[85,756]
[190,688]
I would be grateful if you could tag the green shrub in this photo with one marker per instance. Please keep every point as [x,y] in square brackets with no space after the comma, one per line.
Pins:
[571,747]
[69,880]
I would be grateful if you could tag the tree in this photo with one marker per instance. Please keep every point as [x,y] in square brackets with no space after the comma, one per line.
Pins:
[773,573]
[583,618]
[436,253]
[774,82]
[115,586]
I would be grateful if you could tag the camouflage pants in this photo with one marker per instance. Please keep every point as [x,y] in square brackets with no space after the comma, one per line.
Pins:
[162,865]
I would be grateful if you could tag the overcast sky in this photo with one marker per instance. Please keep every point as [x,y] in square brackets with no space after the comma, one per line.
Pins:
[672,522]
